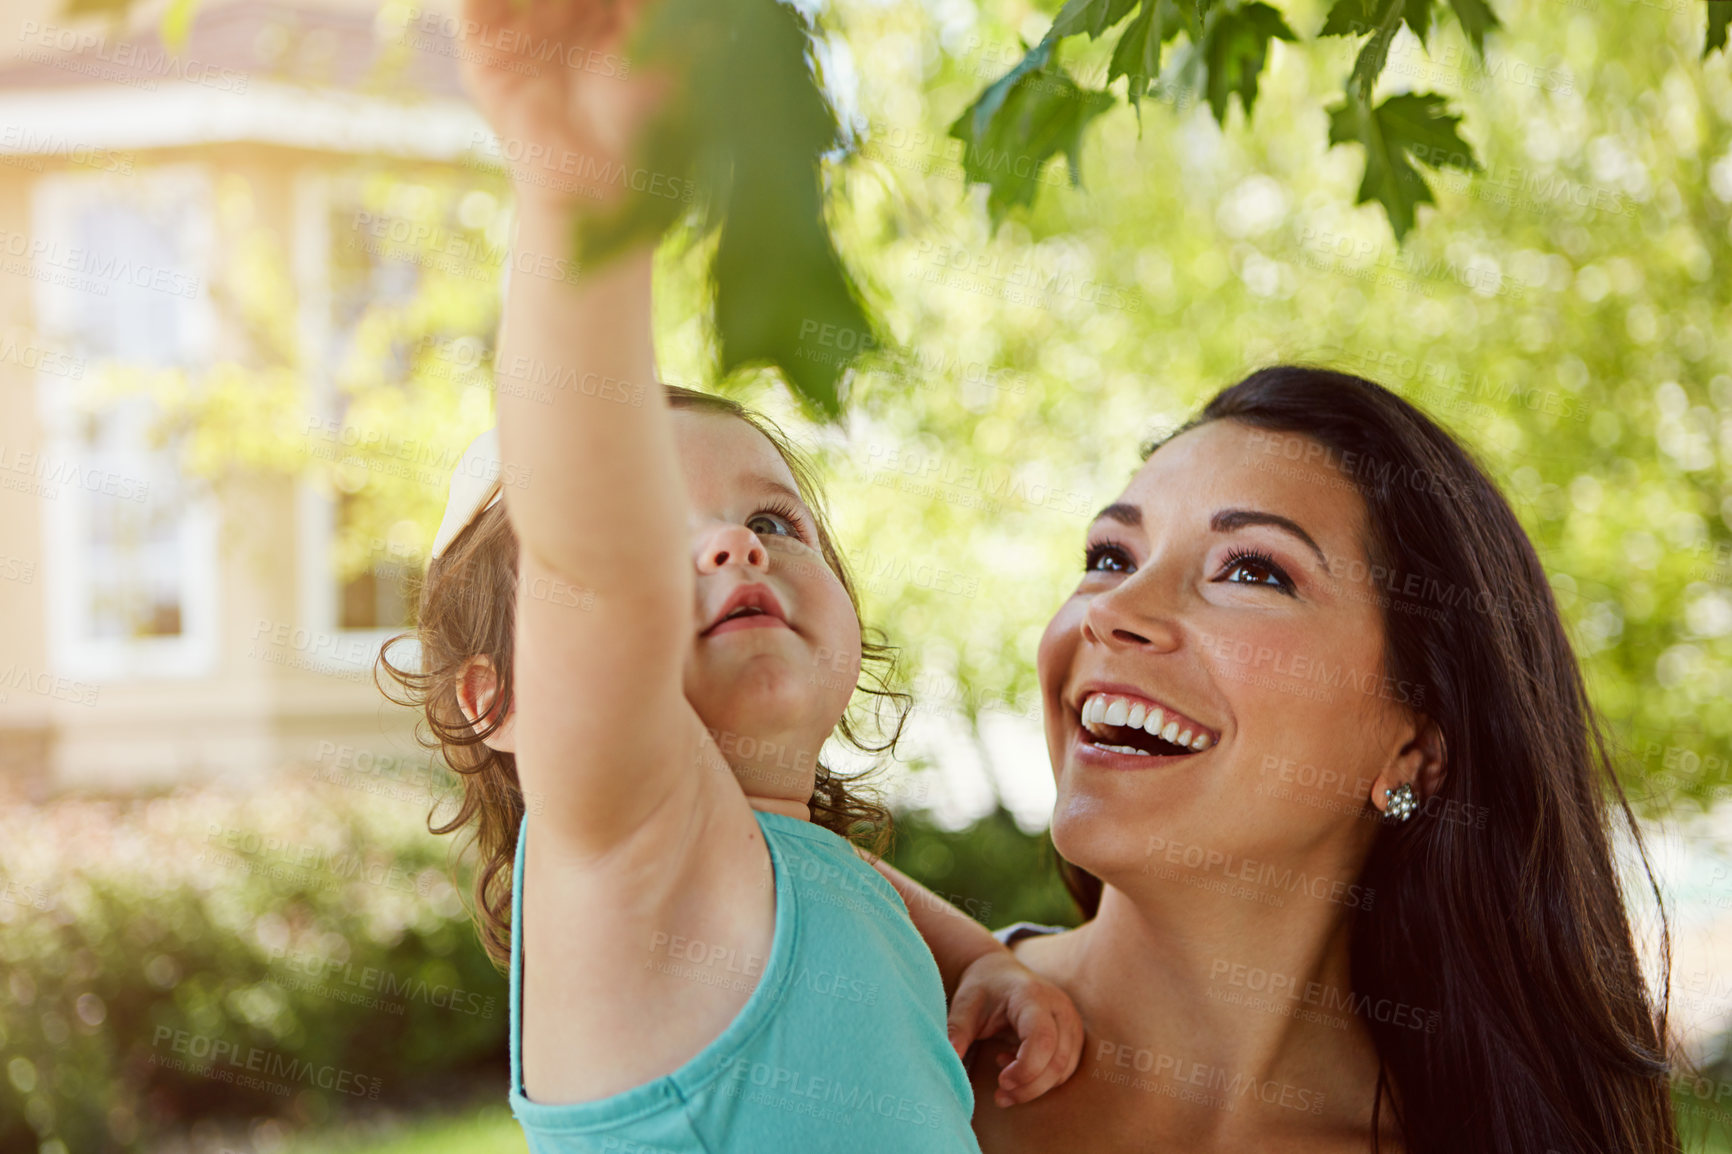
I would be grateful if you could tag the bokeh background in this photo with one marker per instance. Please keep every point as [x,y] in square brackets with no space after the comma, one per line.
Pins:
[248,292]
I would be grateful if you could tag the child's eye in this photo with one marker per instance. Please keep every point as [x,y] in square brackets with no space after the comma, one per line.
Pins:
[777,521]
[1249,567]
[1106,558]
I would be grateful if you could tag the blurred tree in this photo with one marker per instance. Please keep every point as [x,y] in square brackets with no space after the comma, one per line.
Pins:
[991,870]
[1562,314]
[753,127]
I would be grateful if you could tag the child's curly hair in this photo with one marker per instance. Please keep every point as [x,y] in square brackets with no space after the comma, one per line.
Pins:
[467,608]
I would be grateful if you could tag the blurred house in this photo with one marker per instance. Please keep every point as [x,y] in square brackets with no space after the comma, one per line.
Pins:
[152,631]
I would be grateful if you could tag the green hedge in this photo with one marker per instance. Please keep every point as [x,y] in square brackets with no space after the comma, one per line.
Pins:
[295,953]
[286,954]
[298,956]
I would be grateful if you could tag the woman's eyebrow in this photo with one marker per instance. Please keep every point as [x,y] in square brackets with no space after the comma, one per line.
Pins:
[1124,514]
[1226,520]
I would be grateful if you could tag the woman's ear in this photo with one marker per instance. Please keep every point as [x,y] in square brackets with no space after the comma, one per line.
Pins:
[477,692]
[1423,763]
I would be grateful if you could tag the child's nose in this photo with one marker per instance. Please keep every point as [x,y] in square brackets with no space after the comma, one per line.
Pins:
[731,544]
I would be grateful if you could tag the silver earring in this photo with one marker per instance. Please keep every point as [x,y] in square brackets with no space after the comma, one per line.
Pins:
[1401,803]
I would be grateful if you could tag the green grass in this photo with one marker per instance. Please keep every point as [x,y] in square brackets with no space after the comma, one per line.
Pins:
[488,1130]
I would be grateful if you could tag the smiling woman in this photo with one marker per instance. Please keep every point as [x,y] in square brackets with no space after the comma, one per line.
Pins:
[1332,792]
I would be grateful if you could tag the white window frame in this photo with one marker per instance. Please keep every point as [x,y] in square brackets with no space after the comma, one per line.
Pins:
[72,648]
[348,650]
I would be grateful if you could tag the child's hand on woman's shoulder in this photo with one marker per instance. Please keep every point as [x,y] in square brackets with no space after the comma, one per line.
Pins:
[997,994]
[530,65]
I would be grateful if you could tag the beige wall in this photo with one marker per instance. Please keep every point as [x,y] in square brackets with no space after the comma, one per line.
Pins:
[146,13]
[261,708]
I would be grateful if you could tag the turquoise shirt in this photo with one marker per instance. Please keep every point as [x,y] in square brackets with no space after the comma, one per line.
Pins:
[841,1047]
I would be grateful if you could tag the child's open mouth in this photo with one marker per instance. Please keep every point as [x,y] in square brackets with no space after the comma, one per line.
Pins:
[750,607]
[1137,726]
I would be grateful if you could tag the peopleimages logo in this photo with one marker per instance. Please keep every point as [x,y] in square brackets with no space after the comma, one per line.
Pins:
[792,1089]
[229,1062]
[153,60]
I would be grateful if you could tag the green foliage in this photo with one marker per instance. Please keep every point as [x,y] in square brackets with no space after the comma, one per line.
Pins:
[990,869]
[1476,19]
[1228,51]
[1035,112]
[1565,318]
[1091,16]
[157,950]
[1137,56]
[1401,129]
[1719,15]
[1382,19]
[751,126]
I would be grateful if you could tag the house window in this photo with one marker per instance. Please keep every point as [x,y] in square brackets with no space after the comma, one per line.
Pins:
[120,281]
[399,287]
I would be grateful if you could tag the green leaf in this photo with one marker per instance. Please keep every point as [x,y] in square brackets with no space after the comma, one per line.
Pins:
[1413,125]
[1476,20]
[748,131]
[1359,17]
[1091,16]
[1382,19]
[1234,48]
[1023,119]
[1719,15]
[1137,55]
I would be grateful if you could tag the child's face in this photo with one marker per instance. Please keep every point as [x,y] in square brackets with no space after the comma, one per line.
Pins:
[771,681]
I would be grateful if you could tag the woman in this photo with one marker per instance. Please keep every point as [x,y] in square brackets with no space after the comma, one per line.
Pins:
[1341,811]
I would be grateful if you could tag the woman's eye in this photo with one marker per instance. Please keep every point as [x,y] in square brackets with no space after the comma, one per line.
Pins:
[1256,569]
[1106,559]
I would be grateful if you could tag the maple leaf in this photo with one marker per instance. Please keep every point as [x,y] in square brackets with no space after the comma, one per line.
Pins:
[1412,126]
[1022,120]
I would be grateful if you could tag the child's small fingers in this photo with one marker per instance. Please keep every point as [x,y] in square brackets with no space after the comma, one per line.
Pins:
[1039,1035]
[967,1009]
[1008,1093]
[1070,1046]
[1038,1084]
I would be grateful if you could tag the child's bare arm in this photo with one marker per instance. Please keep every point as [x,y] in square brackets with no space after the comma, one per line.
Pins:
[955,939]
[604,610]
[644,835]
[990,992]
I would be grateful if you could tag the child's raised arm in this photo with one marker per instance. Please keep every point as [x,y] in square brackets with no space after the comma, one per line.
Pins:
[602,731]
[643,837]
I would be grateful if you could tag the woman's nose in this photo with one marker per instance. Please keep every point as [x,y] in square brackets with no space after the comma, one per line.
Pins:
[730,545]
[1126,617]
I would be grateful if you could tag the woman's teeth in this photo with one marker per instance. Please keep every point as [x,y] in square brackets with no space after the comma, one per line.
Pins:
[1105,709]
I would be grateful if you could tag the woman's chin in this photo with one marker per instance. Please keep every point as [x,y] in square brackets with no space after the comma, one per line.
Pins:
[1096,837]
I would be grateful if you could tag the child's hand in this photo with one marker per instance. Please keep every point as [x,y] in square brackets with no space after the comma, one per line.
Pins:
[996,993]
[553,79]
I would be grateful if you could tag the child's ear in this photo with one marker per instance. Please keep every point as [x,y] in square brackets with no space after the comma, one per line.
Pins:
[477,689]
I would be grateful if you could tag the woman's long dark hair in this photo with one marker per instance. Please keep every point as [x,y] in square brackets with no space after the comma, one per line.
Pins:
[1514,931]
